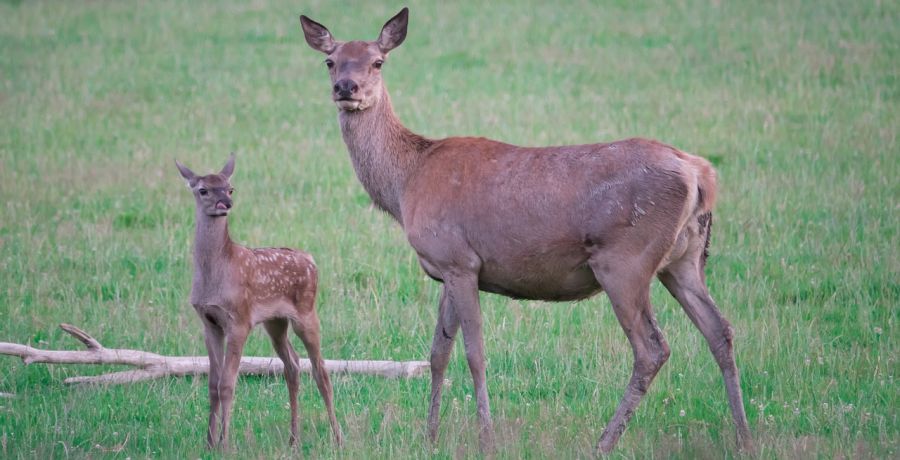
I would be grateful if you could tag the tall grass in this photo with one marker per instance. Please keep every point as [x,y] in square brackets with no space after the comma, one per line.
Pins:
[795,102]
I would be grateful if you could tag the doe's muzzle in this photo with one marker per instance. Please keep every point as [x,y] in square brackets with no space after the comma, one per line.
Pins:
[345,89]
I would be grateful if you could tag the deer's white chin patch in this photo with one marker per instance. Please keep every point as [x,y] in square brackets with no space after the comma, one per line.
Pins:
[348,105]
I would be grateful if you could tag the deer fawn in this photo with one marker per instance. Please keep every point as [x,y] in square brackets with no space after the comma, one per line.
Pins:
[553,223]
[235,288]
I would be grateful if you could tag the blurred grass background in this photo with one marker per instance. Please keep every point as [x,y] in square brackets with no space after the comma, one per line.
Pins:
[794,101]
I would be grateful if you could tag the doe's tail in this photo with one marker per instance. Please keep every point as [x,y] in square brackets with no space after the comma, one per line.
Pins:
[707,190]
[706,184]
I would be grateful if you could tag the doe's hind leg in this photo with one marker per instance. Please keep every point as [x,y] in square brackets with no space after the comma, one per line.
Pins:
[628,289]
[684,280]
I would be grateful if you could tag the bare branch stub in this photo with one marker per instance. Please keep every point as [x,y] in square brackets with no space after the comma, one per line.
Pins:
[85,338]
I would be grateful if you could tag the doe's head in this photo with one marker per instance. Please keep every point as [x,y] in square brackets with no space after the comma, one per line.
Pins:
[211,192]
[355,66]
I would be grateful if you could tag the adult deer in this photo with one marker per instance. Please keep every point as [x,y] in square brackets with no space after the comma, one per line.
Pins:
[552,223]
[236,288]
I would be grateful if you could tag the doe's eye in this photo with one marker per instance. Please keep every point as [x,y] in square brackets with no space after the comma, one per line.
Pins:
[203,191]
[329,63]
[377,64]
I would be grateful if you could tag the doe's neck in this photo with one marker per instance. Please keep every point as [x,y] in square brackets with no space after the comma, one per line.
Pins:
[383,151]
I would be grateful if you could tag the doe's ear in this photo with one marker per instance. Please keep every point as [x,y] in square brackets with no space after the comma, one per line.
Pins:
[186,173]
[394,31]
[228,169]
[317,36]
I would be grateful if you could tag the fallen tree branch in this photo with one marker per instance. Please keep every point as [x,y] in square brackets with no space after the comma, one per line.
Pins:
[152,365]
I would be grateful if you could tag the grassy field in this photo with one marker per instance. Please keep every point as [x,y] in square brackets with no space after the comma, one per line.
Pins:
[795,102]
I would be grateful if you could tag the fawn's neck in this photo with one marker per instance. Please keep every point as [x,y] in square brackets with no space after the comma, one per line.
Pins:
[384,153]
[213,249]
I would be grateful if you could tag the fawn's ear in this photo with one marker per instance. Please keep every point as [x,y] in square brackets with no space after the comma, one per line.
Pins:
[186,173]
[317,36]
[228,169]
[394,31]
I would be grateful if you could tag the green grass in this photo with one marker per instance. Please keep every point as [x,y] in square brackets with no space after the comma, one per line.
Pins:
[795,102]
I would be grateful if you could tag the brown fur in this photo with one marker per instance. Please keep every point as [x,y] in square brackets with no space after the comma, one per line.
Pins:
[235,288]
[553,223]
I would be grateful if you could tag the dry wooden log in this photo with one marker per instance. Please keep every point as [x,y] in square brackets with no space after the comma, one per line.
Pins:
[152,365]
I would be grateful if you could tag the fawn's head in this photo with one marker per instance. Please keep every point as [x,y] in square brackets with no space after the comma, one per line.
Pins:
[212,192]
[355,66]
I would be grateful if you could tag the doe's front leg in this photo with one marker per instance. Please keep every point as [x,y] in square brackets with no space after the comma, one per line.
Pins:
[462,294]
[442,344]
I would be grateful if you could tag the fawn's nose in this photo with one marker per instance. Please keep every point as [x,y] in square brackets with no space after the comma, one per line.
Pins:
[224,204]
[345,89]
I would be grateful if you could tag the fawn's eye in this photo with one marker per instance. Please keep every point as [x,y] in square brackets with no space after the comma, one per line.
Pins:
[230,191]
[329,63]
[203,191]
[377,64]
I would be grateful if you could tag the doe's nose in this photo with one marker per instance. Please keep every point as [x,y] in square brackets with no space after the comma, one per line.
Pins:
[345,88]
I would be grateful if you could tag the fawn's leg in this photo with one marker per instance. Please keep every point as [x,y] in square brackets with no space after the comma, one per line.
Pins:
[214,338]
[307,327]
[234,348]
[278,331]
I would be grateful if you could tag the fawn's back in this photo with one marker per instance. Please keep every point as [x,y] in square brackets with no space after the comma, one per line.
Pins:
[278,282]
